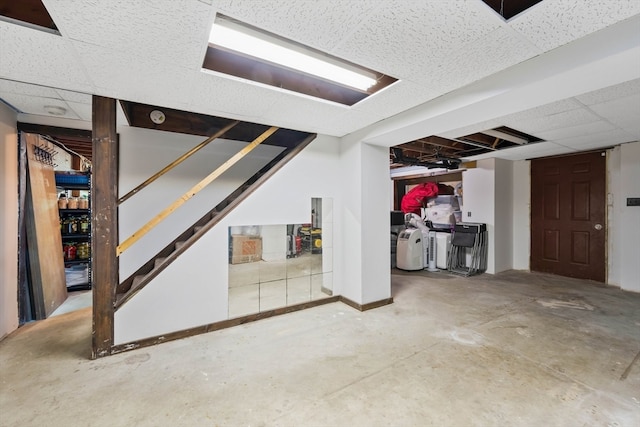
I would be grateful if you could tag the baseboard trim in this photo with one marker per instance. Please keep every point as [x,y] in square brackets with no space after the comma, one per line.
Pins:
[146,342]
[367,306]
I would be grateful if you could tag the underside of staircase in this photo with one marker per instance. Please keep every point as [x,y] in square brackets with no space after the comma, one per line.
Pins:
[293,143]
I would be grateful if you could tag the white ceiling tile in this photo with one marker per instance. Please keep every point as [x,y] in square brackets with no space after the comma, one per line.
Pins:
[610,93]
[404,37]
[401,96]
[568,131]
[29,55]
[495,51]
[9,86]
[539,149]
[78,97]
[231,97]
[151,51]
[167,31]
[543,111]
[534,125]
[318,115]
[319,24]
[553,23]
[619,111]
[36,105]
[83,111]
[154,82]
[596,140]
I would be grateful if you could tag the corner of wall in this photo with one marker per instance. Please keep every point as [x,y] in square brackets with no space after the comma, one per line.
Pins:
[614,212]
[521,213]
[628,249]
[8,221]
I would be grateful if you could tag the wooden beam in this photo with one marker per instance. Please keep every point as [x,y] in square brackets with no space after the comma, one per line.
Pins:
[104,223]
[192,192]
[433,141]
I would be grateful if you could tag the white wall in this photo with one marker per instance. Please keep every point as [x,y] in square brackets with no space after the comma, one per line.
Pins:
[144,152]
[366,195]
[614,212]
[629,247]
[193,290]
[488,198]
[374,197]
[521,193]
[503,215]
[478,195]
[8,221]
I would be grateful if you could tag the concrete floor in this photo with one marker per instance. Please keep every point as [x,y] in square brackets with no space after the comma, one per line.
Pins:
[515,349]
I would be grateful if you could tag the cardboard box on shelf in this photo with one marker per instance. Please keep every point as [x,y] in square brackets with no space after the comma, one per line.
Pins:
[245,248]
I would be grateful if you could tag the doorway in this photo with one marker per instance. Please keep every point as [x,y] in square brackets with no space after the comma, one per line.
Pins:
[68,149]
[568,215]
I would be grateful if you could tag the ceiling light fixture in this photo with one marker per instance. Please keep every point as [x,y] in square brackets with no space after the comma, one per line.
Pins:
[55,110]
[231,35]
[506,136]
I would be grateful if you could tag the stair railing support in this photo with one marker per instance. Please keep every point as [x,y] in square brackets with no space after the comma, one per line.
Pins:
[177,161]
[193,191]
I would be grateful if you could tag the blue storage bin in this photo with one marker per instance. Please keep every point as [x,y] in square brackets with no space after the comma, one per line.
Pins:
[71,179]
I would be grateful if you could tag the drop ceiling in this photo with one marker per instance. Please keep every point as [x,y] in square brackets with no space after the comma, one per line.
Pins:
[564,71]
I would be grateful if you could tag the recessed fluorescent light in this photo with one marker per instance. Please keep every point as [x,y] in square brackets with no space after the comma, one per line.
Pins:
[505,136]
[239,38]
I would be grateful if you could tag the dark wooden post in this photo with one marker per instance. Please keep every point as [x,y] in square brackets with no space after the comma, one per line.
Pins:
[399,190]
[104,223]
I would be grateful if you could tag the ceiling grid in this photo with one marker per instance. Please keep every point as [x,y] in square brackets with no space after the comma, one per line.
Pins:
[152,52]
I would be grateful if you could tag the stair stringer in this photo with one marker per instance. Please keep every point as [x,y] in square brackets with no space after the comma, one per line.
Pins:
[165,257]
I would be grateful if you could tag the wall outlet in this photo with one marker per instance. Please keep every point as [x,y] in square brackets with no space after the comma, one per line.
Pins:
[469,214]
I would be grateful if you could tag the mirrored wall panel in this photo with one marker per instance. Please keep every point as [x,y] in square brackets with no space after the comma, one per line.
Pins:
[274,266]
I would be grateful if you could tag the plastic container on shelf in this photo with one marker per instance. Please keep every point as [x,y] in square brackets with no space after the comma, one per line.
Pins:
[72,203]
[83,203]
[82,250]
[62,201]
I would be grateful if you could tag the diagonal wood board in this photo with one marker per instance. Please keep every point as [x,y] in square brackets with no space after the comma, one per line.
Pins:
[46,262]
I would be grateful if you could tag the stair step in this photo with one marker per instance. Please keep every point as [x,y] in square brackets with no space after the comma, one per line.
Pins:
[137,280]
[178,245]
[197,228]
[158,261]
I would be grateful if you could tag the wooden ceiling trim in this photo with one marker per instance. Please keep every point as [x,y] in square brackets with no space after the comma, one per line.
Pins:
[509,9]
[190,123]
[76,140]
[29,11]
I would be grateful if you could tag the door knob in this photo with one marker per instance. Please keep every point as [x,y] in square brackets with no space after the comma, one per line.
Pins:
[598,226]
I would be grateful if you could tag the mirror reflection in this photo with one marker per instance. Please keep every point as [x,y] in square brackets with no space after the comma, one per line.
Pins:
[274,266]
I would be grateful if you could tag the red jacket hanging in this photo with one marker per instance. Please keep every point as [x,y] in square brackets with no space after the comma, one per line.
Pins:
[415,198]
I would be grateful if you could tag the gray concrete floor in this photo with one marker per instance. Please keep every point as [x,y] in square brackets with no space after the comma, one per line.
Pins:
[515,349]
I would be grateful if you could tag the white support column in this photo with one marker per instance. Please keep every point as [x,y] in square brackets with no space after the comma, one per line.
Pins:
[366,268]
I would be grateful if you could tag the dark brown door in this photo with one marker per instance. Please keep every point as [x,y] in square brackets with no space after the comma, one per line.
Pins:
[568,204]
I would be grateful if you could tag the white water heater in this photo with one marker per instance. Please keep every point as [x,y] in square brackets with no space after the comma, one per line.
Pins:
[410,250]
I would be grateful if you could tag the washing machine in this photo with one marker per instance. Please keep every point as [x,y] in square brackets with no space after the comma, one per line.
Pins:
[410,250]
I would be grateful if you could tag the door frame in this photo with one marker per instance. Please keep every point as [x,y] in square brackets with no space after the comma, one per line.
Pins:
[605,207]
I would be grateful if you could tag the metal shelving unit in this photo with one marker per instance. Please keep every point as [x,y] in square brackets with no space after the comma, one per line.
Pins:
[64,183]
